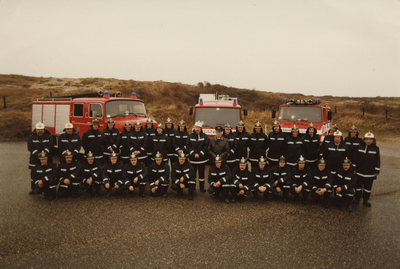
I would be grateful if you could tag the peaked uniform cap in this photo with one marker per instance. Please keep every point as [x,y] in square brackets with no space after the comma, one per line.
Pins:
[219,129]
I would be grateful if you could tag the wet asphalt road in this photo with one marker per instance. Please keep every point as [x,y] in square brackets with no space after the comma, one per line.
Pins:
[172,232]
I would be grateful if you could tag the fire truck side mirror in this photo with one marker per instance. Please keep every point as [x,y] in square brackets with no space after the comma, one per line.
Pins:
[245,111]
[191,110]
[273,114]
[329,115]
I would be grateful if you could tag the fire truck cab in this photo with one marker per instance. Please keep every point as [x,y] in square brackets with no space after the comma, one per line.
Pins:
[303,112]
[81,110]
[217,110]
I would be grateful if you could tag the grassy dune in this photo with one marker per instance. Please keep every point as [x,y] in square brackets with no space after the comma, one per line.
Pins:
[164,99]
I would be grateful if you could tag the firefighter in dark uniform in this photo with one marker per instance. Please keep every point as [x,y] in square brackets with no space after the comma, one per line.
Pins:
[112,175]
[138,142]
[334,154]
[125,143]
[68,175]
[220,179]
[197,147]
[170,132]
[111,140]
[218,145]
[40,140]
[92,140]
[90,174]
[276,144]
[150,132]
[282,176]
[346,180]
[69,140]
[352,142]
[258,145]
[243,182]
[160,143]
[231,159]
[183,176]
[263,179]
[181,138]
[367,167]
[321,184]
[242,141]
[159,176]
[135,175]
[301,180]
[44,177]
[327,140]
[311,147]
[294,147]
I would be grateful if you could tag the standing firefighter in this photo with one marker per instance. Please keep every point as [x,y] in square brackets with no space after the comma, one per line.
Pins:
[111,140]
[170,132]
[159,176]
[44,177]
[335,153]
[40,140]
[90,173]
[197,146]
[232,143]
[367,166]
[161,143]
[258,145]
[242,141]
[181,138]
[353,142]
[276,144]
[68,173]
[92,141]
[311,147]
[125,143]
[183,176]
[138,142]
[135,175]
[150,132]
[69,140]
[294,147]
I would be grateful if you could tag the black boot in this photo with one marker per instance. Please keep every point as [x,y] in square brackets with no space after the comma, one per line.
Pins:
[356,201]
[347,204]
[202,186]
[142,191]
[190,196]
[304,198]
[366,203]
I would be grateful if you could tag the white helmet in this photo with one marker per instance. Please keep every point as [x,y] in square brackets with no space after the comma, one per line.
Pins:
[199,124]
[39,126]
[369,135]
[69,125]
[337,133]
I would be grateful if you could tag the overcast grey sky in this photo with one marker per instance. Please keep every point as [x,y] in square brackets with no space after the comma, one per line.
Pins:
[338,47]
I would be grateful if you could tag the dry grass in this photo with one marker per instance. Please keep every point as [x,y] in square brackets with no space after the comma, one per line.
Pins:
[173,100]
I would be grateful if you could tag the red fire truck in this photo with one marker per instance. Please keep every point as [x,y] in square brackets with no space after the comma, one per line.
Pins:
[217,110]
[82,109]
[303,112]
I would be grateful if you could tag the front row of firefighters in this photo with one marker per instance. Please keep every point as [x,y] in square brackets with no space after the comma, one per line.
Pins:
[229,185]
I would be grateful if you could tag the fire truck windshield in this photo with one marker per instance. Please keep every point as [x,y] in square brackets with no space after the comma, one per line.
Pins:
[121,108]
[217,116]
[300,113]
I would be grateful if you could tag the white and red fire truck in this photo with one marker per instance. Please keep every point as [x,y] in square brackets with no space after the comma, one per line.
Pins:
[82,109]
[303,112]
[217,110]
